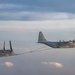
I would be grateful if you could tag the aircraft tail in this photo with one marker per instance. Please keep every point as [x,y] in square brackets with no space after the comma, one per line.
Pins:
[10,46]
[4,46]
[41,38]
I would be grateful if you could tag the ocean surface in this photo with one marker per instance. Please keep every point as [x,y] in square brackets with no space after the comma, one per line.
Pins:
[38,59]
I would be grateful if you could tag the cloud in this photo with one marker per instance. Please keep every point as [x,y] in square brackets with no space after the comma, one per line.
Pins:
[18,7]
[55,64]
[8,6]
[40,5]
[38,25]
[9,64]
[35,16]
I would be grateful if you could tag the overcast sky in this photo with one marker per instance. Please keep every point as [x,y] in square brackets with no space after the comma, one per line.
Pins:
[36,9]
[37,14]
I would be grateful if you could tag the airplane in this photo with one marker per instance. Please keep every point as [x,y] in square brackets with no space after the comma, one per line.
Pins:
[60,44]
[7,52]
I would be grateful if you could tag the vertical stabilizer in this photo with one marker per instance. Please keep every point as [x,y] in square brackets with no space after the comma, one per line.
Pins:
[4,46]
[41,38]
[10,46]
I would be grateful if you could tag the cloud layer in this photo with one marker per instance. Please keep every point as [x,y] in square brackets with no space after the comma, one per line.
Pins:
[30,11]
[9,6]
[35,16]
[38,25]
[45,5]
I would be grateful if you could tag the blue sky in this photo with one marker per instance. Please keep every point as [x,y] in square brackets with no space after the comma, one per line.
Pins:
[36,9]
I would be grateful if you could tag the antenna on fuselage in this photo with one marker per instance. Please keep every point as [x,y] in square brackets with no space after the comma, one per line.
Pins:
[10,46]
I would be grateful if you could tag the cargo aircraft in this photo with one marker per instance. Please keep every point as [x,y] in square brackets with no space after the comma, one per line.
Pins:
[60,44]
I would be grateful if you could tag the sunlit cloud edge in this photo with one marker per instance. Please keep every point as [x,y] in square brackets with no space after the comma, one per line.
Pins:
[54,64]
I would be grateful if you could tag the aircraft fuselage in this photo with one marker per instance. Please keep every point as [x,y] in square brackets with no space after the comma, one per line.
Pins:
[60,44]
